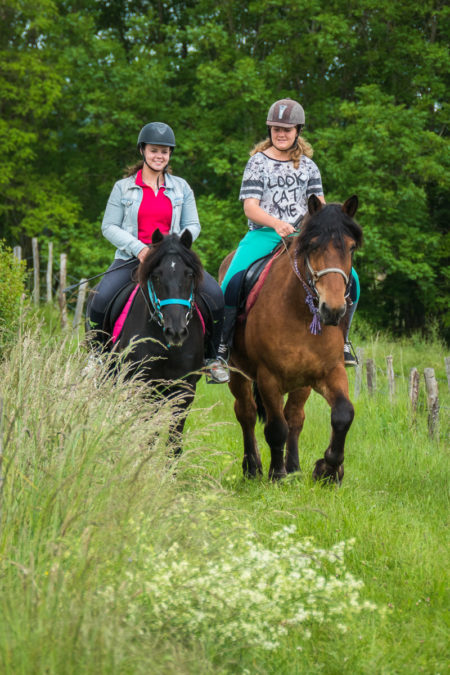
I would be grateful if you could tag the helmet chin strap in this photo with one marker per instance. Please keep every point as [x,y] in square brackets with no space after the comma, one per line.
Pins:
[161,173]
[294,144]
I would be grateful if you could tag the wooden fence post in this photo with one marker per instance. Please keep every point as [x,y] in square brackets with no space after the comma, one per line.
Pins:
[390,376]
[414,380]
[80,304]
[433,402]
[17,252]
[62,286]
[371,376]
[49,271]
[36,290]
[1,457]
[359,370]
[447,370]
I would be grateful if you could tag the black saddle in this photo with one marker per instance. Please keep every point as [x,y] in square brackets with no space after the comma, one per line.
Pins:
[251,276]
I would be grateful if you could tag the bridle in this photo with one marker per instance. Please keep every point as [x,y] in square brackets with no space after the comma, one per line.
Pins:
[315,276]
[312,294]
[157,304]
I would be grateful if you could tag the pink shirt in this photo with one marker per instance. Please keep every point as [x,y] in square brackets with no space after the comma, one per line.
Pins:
[155,211]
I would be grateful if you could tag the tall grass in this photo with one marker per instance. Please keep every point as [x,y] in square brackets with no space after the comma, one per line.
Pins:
[114,558]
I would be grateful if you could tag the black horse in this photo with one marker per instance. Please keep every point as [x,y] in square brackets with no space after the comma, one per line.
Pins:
[164,327]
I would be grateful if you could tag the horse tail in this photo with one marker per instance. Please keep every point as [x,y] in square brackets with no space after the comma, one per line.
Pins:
[260,409]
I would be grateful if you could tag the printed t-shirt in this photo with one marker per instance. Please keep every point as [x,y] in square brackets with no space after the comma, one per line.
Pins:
[282,190]
[155,211]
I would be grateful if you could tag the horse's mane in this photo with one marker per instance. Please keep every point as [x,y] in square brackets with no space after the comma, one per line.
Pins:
[330,223]
[172,245]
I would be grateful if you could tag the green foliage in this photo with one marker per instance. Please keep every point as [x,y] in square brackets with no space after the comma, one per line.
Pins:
[12,286]
[384,153]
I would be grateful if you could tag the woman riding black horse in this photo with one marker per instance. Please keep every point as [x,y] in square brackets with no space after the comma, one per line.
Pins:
[147,199]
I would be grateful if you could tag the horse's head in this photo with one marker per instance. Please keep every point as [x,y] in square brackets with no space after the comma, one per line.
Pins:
[170,274]
[328,238]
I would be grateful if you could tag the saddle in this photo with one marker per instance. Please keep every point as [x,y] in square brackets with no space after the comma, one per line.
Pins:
[253,280]
[116,306]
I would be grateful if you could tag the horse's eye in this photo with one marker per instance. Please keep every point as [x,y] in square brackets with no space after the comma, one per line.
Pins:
[155,278]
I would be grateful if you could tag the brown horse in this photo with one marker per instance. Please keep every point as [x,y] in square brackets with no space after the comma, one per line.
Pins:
[291,342]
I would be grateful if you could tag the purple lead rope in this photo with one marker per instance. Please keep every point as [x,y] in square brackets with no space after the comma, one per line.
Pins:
[315,327]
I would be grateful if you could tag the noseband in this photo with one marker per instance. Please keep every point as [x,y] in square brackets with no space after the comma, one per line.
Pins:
[158,304]
[315,276]
[312,300]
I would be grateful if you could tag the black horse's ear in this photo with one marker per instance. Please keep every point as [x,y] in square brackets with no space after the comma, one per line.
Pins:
[350,206]
[186,238]
[157,237]
[314,205]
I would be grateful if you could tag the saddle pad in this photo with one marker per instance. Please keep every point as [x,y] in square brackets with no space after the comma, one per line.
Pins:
[118,325]
[253,295]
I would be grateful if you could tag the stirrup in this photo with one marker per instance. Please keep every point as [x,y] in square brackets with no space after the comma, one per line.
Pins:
[217,371]
[350,358]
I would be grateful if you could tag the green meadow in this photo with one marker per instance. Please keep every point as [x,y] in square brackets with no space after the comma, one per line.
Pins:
[115,558]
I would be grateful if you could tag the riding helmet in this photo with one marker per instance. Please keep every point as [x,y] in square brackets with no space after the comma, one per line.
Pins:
[286,113]
[156,133]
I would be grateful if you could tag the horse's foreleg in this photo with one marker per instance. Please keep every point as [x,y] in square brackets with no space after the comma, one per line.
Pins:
[276,428]
[295,416]
[245,410]
[180,412]
[335,390]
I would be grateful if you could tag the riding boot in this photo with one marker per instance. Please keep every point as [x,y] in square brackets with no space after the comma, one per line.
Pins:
[226,340]
[218,368]
[349,353]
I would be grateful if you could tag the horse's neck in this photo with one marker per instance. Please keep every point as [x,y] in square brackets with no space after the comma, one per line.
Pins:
[290,270]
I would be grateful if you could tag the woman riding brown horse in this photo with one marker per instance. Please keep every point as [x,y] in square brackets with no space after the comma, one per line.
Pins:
[291,342]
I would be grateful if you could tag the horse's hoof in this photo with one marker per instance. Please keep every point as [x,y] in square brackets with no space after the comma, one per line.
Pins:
[328,474]
[275,476]
[251,470]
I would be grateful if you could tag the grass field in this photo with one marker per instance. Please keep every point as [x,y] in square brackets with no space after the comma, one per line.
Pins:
[115,560]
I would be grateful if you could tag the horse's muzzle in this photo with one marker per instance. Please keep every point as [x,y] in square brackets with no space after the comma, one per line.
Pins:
[330,316]
[175,338]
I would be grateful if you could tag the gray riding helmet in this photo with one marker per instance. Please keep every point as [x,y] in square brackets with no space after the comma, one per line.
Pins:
[156,133]
[286,113]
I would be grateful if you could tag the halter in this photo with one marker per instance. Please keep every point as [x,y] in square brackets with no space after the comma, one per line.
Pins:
[158,304]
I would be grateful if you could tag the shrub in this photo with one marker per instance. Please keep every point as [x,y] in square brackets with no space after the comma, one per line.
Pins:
[12,286]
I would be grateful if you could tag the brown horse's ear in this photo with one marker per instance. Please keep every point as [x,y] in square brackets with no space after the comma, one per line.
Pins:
[157,237]
[314,205]
[186,238]
[350,206]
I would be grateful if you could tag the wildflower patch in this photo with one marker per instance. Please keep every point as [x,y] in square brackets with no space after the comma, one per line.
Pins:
[252,594]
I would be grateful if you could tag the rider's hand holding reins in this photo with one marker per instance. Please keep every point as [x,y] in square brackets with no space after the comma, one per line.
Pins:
[143,254]
[283,229]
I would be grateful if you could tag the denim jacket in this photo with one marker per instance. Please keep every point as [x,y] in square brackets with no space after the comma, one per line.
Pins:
[120,221]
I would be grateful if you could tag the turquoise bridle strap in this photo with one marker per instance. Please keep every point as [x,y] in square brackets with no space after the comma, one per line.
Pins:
[175,301]
[157,303]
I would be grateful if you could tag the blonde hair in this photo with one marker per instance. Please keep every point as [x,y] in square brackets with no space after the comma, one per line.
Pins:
[132,170]
[302,147]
